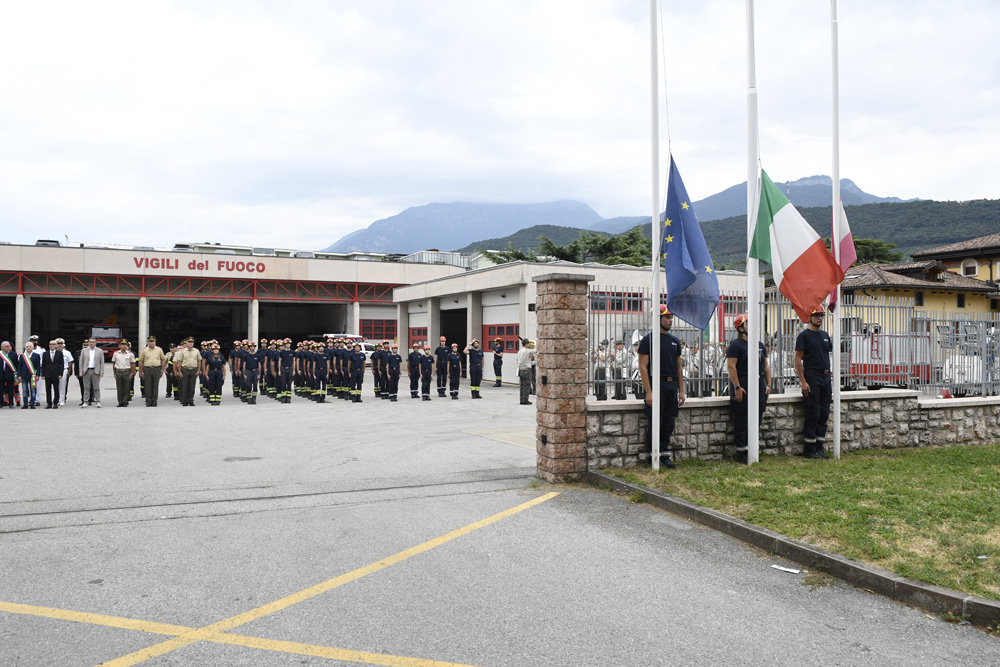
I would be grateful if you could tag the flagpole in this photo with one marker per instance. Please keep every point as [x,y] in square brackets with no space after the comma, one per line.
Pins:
[753,286]
[835,238]
[654,228]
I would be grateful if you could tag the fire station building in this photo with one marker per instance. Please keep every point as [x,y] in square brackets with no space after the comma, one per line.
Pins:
[67,291]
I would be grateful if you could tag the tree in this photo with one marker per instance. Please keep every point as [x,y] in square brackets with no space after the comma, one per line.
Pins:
[875,251]
[511,254]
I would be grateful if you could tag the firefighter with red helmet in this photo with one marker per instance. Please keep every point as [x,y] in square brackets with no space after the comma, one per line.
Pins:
[669,388]
[738,365]
[812,364]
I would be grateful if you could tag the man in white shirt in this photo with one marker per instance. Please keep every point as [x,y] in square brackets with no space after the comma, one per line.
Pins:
[67,370]
[90,368]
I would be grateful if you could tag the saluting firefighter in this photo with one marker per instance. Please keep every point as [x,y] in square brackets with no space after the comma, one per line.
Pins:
[476,357]
[498,359]
[738,365]
[356,363]
[286,369]
[393,363]
[442,352]
[454,370]
[413,370]
[426,373]
[216,365]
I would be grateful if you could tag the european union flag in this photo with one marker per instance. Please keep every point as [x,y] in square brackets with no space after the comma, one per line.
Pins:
[692,287]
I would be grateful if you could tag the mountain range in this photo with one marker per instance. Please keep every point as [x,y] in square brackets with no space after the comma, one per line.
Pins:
[456,225]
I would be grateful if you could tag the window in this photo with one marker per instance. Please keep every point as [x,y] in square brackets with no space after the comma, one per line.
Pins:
[961,301]
[994,304]
[970,268]
[378,329]
[493,331]
[918,299]
[615,302]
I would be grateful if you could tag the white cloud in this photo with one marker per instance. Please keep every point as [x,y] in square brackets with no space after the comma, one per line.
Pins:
[292,124]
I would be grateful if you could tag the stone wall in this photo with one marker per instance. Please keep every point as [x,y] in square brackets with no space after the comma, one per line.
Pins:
[869,420]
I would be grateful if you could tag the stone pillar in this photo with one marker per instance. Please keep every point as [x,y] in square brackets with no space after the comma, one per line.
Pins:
[253,320]
[474,319]
[561,432]
[433,321]
[403,327]
[143,324]
[22,321]
[354,325]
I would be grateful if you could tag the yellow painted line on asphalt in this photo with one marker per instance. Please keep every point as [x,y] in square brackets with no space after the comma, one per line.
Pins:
[211,631]
[328,652]
[522,437]
[95,619]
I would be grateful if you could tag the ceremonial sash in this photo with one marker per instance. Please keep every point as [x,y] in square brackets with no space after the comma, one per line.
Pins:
[10,364]
[31,366]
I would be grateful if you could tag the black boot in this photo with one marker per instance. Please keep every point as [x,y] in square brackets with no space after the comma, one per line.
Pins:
[426,397]
[498,383]
[413,394]
[392,399]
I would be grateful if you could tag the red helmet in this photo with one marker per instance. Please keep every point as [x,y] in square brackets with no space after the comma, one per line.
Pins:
[740,320]
[664,310]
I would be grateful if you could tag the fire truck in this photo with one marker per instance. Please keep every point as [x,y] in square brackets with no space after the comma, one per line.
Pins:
[107,337]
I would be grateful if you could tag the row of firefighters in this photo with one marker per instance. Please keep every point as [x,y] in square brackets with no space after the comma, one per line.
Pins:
[336,367]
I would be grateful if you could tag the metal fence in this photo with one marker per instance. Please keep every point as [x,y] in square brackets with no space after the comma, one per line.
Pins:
[884,342]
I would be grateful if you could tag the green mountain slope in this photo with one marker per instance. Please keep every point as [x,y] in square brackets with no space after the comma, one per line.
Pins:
[912,226]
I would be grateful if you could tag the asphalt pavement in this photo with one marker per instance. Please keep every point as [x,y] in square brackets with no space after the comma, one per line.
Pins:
[409,534]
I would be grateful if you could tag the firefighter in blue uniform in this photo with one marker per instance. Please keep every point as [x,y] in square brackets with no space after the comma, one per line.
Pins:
[320,366]
[285,369]
[738,365]
[252,372]
[812,365]
[426,373]
[393,363]
[240,377]
[498,359]
[669,389]
[233,360]
[328,353]
[356,364]
[442,352]
[476,357]
[413,370]
[376,362]
[386,353]
[342,378]
[216,365]
[454,370]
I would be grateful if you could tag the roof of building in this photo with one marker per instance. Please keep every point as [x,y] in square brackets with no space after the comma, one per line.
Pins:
[990,242]
[864,276]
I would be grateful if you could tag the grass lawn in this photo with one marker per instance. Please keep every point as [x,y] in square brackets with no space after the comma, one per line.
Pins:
[930,514]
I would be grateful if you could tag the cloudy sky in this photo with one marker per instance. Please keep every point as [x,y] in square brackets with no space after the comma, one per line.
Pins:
[293,123]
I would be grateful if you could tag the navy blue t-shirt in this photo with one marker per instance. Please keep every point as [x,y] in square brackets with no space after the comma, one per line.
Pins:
[670,348]
[816,347]
[738,350]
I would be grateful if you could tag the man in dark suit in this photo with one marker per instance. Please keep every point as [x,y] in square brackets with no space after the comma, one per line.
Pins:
[28,368]
[8,374]
[53,366]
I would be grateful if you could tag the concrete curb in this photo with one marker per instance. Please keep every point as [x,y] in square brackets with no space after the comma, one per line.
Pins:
[978,611]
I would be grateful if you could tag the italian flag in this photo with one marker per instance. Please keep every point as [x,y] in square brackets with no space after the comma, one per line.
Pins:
[804,270]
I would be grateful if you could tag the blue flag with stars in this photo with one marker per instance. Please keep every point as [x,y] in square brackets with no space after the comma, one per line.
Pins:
[692,287]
